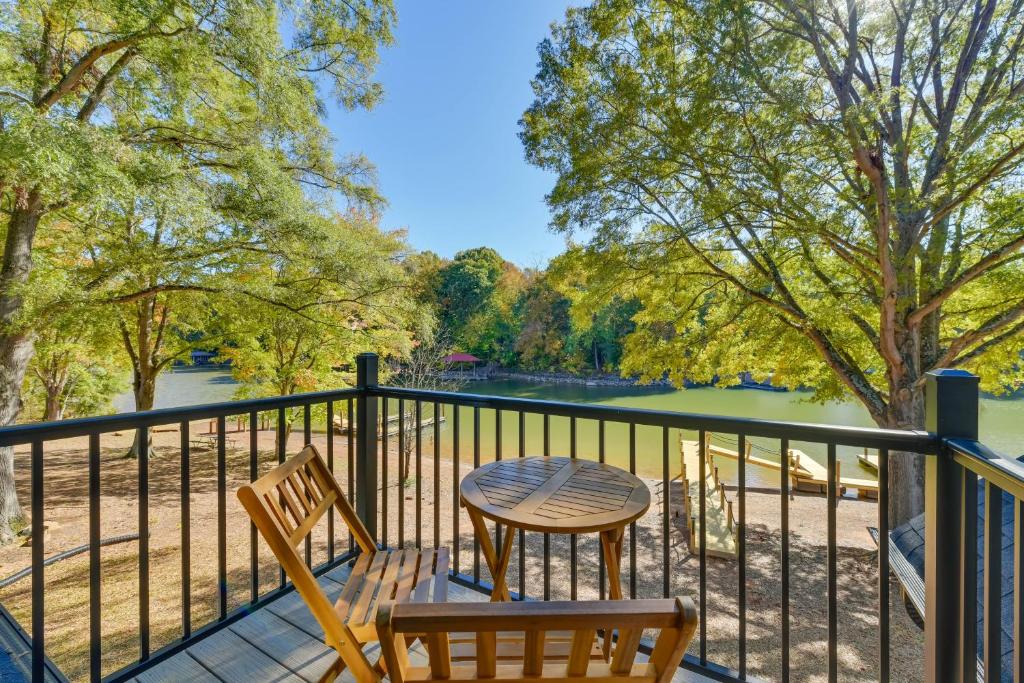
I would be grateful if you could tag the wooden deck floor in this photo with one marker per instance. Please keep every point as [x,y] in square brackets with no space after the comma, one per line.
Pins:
[280,642]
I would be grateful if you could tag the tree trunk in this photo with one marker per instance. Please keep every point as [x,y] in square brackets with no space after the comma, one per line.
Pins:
[54,404]
[906,470]
[15,341]
[144,388]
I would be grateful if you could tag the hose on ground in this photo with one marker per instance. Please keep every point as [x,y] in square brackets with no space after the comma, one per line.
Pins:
[113,540]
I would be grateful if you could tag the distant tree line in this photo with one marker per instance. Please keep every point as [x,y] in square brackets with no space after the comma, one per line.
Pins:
[519,318]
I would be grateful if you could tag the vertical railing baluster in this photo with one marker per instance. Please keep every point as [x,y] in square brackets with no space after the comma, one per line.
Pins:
[38,555]
[600,555]
[883,564]
[385,427]
[143,436]
[784,533]
[419,474]
[831,497]
[254,473]
[632,525]
[351,442]
[330,468]
[968,572]
[307,438]
[702,516]
[522,532]
[457,476]
[437,475]
[222,523]
[95,616]
[186,532]
[666,584]
[741,549]
[547,537]
[547,435]
[993,583]
[281,439]
[307,425]
[402,475]
[497,456]
[573,570]
[547,567]
[476,464]
[1018,589]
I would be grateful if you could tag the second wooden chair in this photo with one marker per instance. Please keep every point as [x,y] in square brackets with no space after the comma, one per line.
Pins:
[286,504]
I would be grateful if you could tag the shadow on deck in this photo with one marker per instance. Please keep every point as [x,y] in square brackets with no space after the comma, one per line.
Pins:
[283,642]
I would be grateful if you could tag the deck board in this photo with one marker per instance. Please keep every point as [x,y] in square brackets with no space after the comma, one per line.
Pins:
[231,658]
[182,667]
[282,642]
[309,658]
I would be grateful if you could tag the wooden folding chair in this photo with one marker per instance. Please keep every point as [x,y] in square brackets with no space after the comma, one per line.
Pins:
[509,640]
[285,504]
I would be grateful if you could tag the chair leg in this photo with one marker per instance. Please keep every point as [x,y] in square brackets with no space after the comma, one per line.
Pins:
[333,671]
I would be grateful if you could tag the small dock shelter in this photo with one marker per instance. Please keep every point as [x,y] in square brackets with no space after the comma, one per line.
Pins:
[464,366]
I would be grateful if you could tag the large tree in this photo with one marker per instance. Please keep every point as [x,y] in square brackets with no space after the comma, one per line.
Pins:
[827,191]
[231,87]
[339,290]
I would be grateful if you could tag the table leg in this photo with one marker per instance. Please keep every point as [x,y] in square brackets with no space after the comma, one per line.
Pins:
[497,563]
[611,549]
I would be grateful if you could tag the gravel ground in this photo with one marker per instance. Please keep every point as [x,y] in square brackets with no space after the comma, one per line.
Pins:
[67,594]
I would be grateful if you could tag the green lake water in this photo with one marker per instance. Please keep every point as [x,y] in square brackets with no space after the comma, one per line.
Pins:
[1002,421]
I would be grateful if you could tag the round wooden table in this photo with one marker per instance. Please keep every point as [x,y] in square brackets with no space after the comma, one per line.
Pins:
[553,495]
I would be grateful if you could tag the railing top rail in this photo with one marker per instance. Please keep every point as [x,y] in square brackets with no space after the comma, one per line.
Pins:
[865,437]
[64,429]
[1005,472]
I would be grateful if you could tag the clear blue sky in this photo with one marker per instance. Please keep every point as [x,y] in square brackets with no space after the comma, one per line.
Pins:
[444,137]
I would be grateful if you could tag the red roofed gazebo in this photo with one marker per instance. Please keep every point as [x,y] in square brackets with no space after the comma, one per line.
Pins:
[461,360]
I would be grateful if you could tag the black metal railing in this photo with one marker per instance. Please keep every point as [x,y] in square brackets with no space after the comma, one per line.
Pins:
[276,410]
[785,433]
[974,561]
[398,443]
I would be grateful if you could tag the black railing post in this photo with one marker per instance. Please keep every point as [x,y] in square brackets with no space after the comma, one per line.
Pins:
[366,442]
[951,410]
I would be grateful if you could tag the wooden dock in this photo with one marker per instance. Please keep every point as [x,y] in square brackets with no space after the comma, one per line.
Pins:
[869,460]
[341,425]
[718,515]
[805,473]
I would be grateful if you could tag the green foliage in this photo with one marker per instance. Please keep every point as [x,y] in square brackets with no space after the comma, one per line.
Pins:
[466,286]
[334,296]
[75,370]
[177,149]
[784,193]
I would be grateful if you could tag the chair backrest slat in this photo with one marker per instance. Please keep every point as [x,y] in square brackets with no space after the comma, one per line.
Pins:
[533,653]
[676,621]
[579,653]
[625,650]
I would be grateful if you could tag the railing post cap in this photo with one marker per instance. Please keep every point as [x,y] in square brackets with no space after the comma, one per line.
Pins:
[951,403]
[951,373]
